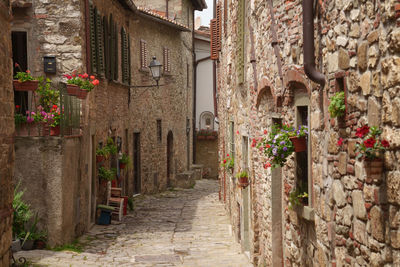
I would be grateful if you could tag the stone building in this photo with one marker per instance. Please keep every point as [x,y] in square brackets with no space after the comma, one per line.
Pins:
[6,134]
[114,40]
[350,46]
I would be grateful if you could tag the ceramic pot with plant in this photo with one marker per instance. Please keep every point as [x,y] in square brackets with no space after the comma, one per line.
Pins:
[125,161]
[298,138]
[101,154]
[371,149]
[24,81]
[243,179]
[85,83]
[107,174]
[228,163]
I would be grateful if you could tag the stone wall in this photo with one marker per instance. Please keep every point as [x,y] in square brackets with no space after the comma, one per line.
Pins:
[47,168]
[357,47]
[6,134]
[207,155]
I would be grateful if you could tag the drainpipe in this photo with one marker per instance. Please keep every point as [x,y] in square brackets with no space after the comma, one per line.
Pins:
[194,97]
[308,44]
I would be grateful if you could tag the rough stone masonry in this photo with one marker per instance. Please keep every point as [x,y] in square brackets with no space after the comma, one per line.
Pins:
[6,133]
[354,220]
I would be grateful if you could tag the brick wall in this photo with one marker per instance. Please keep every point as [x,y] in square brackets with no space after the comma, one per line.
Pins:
[356,219]
[6,135]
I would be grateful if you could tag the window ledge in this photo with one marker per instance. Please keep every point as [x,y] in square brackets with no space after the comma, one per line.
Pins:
[306,212]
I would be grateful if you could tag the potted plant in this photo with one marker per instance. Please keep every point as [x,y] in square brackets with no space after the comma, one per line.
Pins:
[111,147]
[298,137]
[84,82]
[228,163]
[297,198]
[276,146]
[101,154]
[107,175]
[371,149]
[24,81]
[124,161]
[337,107]
[243,179]
[55,120]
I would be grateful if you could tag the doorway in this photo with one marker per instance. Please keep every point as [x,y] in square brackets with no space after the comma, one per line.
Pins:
[170,156]
[137,180]
[92,175]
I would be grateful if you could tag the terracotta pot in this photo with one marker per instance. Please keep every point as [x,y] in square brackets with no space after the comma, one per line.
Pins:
[114,183]
[122,166]
[201,137]
[103,182]
[44,129]
[300,144]
[100,158]
[73,89]
[243,182]
[374,169]
[25,86]
[55,131]
[82,94]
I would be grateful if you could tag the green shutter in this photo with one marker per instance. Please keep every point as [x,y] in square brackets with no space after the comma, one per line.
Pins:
[106,41]
[116,52]
[129,60]
[240,43]
[112,49]
[99,44]
[93,58]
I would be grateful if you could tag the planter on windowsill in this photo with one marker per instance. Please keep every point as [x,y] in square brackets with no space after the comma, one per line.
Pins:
[25,86]
[82,94]
[55,131]
[201,137]
[73,90]
[299,143]
[374,169]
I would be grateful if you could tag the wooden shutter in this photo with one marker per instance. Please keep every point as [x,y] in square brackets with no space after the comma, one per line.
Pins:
[112,48]
[129,60]
[93,58]
[143,54]
[240,43]
[99,44]
[219,25]
[225,16]
[106,37]
[115,52]
[124,56]
[214,42]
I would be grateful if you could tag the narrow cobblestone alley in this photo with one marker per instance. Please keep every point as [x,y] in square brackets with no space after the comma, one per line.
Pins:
[176,228]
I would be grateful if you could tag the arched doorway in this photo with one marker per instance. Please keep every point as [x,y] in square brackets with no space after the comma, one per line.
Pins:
[170,157]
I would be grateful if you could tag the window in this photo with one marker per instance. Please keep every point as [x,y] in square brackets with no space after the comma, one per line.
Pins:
[159,131]
[232,138]
[206,121]
[125,57]
[96,41]
[143,55]
[167,62]
[20,56]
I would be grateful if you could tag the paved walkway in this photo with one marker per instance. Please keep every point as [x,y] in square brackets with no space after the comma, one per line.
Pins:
[175,228]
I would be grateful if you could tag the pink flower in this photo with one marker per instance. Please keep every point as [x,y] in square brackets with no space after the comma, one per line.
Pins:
[85,75]
[237,132]
[29,119]
[95,82]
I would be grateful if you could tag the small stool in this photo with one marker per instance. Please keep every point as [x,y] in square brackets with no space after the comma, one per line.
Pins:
[105,214]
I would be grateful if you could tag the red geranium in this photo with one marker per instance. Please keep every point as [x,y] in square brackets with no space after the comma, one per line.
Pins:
[267,165]
[370,142]
[361,132]
[265,131]
[17,106]
[340,141]
[385,143]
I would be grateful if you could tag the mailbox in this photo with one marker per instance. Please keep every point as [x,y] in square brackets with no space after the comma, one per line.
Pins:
[50,65]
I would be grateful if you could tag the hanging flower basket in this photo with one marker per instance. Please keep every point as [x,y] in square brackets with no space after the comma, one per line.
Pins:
[25,86]
[374,168]
[55,131]
[299,143]
[73,90]
[122,165]
[82,94]
[243,182]
[100,158]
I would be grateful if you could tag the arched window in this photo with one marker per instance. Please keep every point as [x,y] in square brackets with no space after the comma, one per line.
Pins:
[207,121]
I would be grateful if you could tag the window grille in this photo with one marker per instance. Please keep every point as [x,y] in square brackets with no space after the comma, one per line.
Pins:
[143,55]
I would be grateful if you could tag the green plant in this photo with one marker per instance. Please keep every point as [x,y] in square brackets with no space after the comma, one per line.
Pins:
[277,146]
[371,146]
[23,76]
[111,147]
[337,107]
[228,162]
[19,119]
[125,159]
[22,212]
[102,152]
[242,174]
[130,203]
[75,246]
[84,81]
[107,174]
[296,198]
[47,96]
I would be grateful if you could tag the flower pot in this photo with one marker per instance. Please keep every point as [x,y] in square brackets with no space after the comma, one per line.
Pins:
[44,129]
[55,131]
[374,169]
[82,94]
[28,245]
[243,182]
[100,158]
[114,183]
[299,143]
[16,245]
[73,89]
[103,182]
[201,137]
[25,86]
[122,165]
[39,244]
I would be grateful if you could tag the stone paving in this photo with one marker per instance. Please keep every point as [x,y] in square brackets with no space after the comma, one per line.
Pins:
[176,228]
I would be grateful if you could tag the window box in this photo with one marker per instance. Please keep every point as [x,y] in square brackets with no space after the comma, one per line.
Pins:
[25,86]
